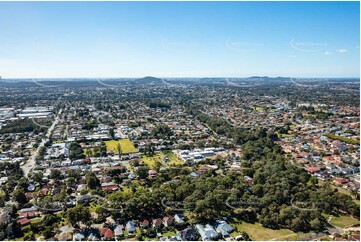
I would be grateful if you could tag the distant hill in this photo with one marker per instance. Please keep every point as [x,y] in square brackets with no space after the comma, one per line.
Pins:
[148,79]
[267,78]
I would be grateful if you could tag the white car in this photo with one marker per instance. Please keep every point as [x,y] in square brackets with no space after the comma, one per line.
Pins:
[239,238]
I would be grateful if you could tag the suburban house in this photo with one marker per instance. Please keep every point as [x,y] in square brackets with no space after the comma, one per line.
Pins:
[79,236]
[130,227]
[144,224]
[188,234]
[179,219]
[224,228]
[106,233]
[109,186]
[157,223]
[118,230]
[168,221]
[24,221]
[207,232]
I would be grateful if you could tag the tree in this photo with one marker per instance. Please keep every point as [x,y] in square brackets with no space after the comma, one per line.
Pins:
[162,131]
[19,196]
[48,232]
[16,229]
[49,219]
[142,172]
[91,180]
[88,153]
[314,180]
[316,225]
[111,133]
[78,214]
[75,151]
[119,149]
[102,212]
[297,224]
[38,177]
[55,174]
[245,236]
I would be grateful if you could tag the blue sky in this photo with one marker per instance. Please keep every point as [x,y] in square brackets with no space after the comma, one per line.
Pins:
[179,39]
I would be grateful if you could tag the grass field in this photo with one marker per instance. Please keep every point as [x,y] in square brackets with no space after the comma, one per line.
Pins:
[151,160]
[257,232]
[174,159]
[343,221]
[125,144]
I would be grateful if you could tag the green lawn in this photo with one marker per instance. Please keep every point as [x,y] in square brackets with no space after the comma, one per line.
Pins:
[341,138]
[35,220]
[284,135]
[59,141]
[151,160]
[169,233]
[174,159]
[125,144]
[257,232]
[343,221]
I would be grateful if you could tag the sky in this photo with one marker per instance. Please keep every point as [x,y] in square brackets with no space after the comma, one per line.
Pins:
[179,39]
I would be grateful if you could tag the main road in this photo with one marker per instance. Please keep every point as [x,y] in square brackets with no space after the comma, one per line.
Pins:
[31,162]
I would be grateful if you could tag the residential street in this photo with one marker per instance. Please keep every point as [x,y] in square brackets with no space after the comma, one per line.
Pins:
[31,162]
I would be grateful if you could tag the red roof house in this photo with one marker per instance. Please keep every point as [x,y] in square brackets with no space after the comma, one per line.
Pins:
[24,221]
[106,233]
[312,169]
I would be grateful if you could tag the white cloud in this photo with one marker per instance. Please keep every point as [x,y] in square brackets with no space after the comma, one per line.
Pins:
[342,51]
[328,53]
[292,56]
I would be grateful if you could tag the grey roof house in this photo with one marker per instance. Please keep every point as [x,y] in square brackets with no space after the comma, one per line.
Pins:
[207,232]
[224,228]
[188,234]
[130,227]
